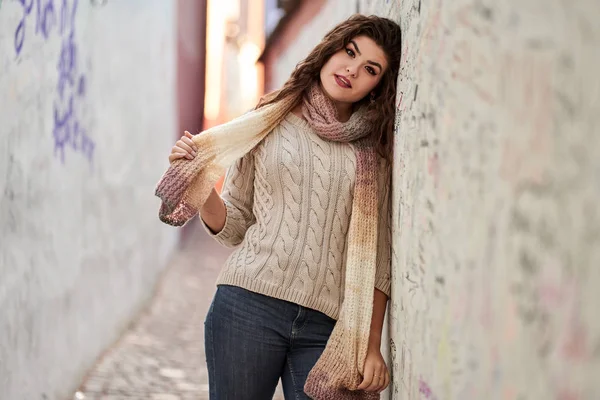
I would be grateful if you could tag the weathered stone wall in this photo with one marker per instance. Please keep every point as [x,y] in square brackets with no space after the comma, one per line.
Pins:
[88,115]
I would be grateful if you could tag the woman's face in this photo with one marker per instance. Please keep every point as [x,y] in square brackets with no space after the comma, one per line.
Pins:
[354,71]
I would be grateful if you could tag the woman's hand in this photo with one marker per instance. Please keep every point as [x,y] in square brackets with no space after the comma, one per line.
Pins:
[376,376]
[184,148]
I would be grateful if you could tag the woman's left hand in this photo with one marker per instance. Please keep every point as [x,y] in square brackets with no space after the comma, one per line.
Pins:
[376,376]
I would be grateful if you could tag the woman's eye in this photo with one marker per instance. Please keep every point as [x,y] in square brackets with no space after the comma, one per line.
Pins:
[370,70]
[350,52]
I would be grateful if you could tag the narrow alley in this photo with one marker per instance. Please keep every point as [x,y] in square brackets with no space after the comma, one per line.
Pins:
[486,263]
[161,356]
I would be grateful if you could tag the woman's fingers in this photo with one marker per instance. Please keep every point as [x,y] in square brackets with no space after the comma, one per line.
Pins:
[376,382]
[367,378]
[184,153]
[387,380]
[376,379]
[370,382]
[384,380]
[178,152]
[189,142]
[185,147]
[174,156]
[381,378]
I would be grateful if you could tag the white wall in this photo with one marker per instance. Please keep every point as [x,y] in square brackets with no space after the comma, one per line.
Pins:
[496,193]
[80,242]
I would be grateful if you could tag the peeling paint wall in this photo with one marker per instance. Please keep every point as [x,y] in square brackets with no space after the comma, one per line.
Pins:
[87,119]
[496,193]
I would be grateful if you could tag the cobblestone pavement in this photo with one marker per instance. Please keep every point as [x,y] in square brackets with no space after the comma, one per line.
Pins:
[162,356]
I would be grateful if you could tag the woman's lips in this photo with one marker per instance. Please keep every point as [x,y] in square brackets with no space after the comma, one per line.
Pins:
[343,82]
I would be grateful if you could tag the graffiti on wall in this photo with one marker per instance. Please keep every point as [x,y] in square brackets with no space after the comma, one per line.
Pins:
[492,265]
[46,18]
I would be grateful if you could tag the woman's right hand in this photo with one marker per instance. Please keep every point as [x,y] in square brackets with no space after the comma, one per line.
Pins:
[184,148]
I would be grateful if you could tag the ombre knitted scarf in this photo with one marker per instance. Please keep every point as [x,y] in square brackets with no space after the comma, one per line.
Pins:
[186,185]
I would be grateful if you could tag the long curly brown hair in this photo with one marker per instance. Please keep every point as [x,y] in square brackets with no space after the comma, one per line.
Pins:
[386,34]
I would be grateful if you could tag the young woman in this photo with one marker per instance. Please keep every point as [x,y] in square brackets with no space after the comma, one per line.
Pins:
[306,204]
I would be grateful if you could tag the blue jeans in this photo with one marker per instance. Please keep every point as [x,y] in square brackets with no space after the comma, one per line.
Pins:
[252,340]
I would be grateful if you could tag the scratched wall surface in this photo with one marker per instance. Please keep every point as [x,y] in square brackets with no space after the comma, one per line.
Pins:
[88,113]
[496,192]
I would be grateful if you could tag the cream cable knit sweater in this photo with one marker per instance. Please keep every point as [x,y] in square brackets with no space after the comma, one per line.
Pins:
[288,204]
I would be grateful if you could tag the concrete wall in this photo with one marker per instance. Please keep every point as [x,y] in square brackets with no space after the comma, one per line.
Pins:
[88,114]
[496,192]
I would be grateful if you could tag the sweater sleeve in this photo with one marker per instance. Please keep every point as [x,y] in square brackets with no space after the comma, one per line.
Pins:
[238,197]
[384,245]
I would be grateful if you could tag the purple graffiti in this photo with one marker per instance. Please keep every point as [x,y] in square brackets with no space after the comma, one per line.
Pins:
[81,86]
[71,90]
[66,64]
[20,31]
[425,390]
[68,132]
[71,87]
[62,128]
[45,20]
